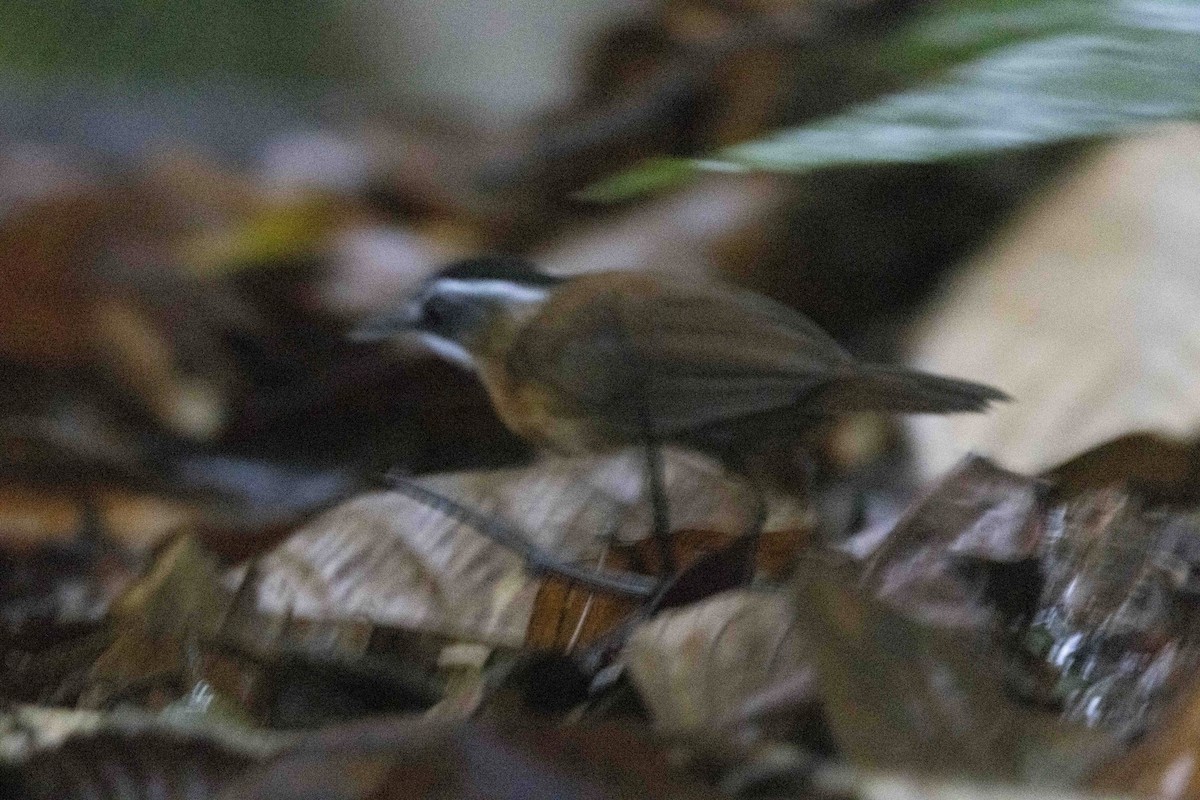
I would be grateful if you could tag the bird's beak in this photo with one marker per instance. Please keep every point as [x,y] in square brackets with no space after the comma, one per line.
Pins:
[386,325]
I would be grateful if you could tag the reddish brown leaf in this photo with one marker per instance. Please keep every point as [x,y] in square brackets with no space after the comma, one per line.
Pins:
[566,616]
[1154,466]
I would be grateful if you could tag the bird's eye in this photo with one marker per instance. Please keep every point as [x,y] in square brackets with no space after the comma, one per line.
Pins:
[437,314]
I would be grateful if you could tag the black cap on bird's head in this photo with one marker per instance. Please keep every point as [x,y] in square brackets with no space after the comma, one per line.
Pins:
[496,268]
[458,304]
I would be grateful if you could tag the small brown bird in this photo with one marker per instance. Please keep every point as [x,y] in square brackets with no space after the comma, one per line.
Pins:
[609,359]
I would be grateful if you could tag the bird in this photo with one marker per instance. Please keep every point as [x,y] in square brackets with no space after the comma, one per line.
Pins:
[603,360]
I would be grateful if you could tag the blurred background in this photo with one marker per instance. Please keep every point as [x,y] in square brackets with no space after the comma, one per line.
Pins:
[198,199]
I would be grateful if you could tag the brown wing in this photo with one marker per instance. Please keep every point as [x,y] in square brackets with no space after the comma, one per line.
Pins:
[688,354]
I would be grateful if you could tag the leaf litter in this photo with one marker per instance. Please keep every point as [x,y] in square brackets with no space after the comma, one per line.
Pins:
[208,591]
[995,631]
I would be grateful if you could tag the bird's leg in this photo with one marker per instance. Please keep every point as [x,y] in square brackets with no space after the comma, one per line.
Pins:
[655,482]
[659,508]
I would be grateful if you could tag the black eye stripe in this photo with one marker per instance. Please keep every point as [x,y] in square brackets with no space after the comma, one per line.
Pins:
[433,315]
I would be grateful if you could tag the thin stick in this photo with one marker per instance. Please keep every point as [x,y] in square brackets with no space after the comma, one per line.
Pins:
[539,559]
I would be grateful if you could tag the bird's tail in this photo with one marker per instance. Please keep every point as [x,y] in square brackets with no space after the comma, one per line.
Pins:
[875,387]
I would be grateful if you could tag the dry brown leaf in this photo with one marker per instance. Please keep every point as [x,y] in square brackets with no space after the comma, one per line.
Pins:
[159,621]
[30,516]
[697,665]
[1085,312]
[900,694]
[1094,598]
[1156,467]
[567,615]
[906,695]
[1117,617]
[42,249]
[978,512]
[394,561]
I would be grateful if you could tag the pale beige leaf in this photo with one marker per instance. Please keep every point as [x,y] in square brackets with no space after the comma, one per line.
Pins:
[697,665]
[1087,312]
[389,559]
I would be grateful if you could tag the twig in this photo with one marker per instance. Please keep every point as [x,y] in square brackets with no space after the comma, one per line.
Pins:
[539,559]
